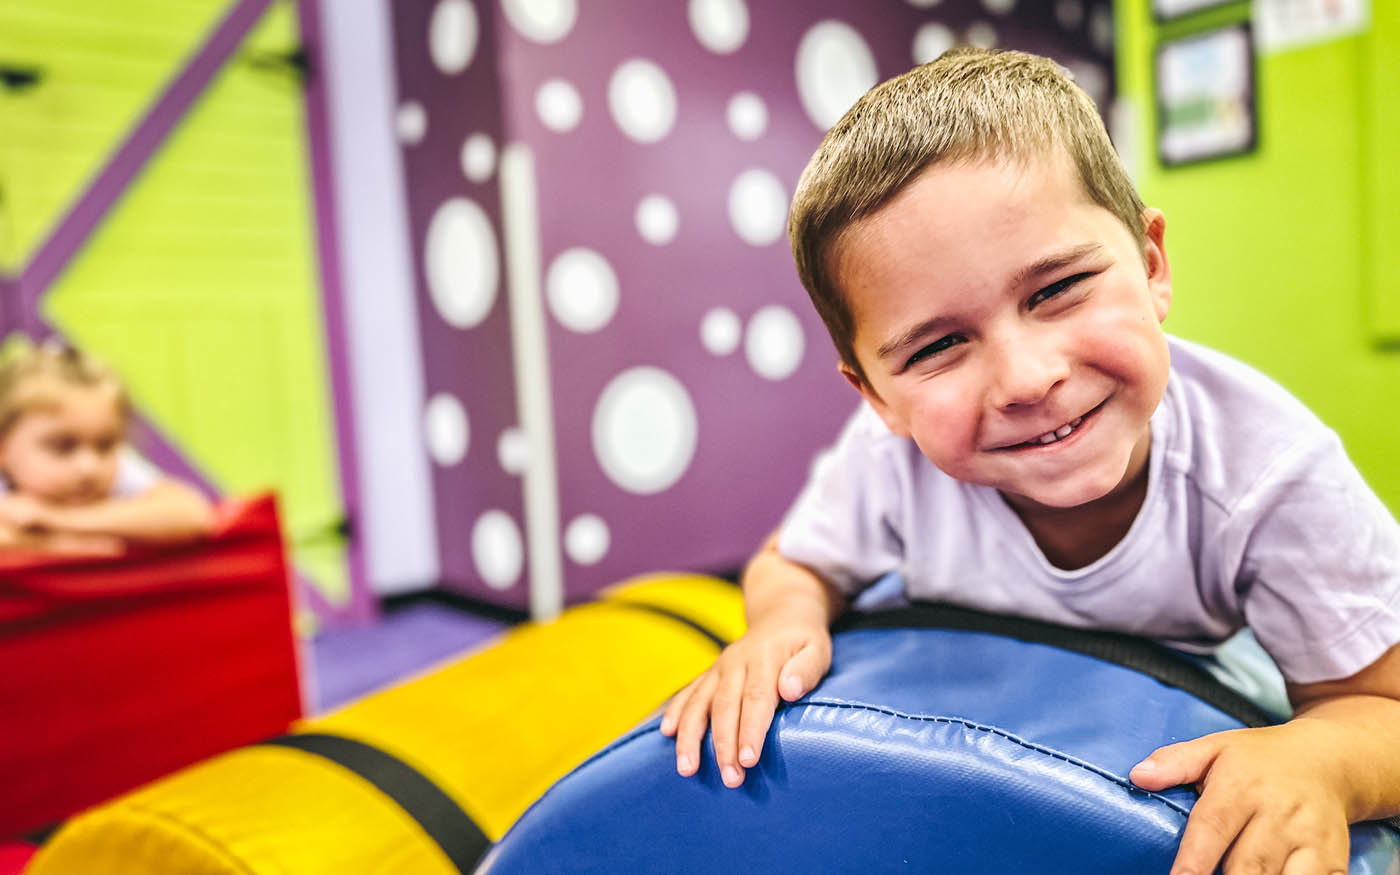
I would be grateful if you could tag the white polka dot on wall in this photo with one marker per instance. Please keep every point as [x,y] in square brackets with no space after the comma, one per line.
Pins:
[999,7]
[982,35]
[558,105]
[657,219]
[747,115]
[644,430]
[932,40]
[478,157]
[642,100]
[497,549]
[720,25]
[1101,29]
[774,343]
[452,35]
[758,207]
[581,289]
[586,539]
[513,451]
[541,21]
[720,330]
[834,68]
[445,429]
[411,123]
[1069,13]
[1090,78]
[461,262]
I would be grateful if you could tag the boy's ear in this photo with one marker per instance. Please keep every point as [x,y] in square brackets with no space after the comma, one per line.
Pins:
[874,400]
[1159,272]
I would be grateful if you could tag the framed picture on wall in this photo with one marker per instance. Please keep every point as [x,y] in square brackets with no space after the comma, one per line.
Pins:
[1165,10]
[1206,96]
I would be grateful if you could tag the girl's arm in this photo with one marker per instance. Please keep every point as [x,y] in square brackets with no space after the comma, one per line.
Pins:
[169,511]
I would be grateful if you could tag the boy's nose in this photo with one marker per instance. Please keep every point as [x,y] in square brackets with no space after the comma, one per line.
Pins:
[1025,374]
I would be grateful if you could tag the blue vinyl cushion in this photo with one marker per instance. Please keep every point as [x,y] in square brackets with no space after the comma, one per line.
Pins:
[923,750]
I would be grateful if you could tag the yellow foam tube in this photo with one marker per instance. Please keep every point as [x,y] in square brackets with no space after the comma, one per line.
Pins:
[493,730]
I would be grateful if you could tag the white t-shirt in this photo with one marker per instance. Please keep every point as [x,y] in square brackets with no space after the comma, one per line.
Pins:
[1253,516]
[134,475]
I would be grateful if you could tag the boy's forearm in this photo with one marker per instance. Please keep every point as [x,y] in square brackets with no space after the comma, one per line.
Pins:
[776,587]
[1368,747]
[168,511]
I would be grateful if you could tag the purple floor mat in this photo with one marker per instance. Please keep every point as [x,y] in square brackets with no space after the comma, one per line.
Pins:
[351,662]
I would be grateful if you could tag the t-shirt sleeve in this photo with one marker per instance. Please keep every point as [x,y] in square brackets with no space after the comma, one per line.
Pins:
[845,524]
[134,474]
[1320,574]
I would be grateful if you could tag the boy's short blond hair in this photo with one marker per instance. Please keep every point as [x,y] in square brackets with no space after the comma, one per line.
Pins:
[32,377]
[967,105]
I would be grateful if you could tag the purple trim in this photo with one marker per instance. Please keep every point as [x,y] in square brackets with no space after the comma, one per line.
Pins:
[78,224]
[361,605]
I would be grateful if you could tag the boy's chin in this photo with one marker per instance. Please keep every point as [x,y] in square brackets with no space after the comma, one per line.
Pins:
[1060,496]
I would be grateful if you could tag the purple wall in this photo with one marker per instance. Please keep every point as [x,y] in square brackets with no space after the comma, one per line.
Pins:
[755,435]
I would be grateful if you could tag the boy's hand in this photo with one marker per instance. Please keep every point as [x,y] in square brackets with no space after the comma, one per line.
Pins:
[737,695]
[1271,800]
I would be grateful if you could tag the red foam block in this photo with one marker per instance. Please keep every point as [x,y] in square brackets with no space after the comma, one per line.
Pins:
[116,671]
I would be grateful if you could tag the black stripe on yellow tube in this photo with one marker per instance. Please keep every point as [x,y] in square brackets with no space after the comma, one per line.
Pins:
[441,818]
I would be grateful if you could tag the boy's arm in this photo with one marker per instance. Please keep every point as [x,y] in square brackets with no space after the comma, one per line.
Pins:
[786,650]
[168,511]
[1279,798]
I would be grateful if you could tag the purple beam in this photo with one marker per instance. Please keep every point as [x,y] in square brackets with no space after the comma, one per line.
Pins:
[361,606]
[78,223]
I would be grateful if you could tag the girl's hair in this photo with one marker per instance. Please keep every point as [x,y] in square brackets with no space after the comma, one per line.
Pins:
[35,376]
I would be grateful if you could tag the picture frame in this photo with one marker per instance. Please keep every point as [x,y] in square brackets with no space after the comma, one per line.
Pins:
[1206,95]
[1167,10]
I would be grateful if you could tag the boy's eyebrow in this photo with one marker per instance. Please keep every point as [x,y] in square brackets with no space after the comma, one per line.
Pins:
[1054,262]
[926,327]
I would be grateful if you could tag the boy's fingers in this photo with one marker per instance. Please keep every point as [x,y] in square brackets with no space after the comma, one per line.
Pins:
[759,701]
[724,724]
[671,716]
[1311,861]
[802,672]
[1176,764]
[691,723]
[1210,830]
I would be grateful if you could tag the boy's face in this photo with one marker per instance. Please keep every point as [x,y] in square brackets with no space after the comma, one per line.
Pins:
[996,305]
[65,452]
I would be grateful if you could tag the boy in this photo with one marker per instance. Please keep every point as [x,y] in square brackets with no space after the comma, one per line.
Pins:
[1033,444]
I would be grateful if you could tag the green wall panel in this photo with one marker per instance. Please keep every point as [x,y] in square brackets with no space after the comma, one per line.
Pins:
[200,286]
[102,63]
[1274,253]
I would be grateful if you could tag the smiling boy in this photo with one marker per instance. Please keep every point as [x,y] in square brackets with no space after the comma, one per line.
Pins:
[1033,444]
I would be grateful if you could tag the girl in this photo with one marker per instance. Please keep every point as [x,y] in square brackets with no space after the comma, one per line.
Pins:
[67,482]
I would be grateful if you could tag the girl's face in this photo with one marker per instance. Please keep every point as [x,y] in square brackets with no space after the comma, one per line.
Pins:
[65,451]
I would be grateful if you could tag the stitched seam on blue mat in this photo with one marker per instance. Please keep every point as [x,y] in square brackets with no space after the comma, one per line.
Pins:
[1002,733]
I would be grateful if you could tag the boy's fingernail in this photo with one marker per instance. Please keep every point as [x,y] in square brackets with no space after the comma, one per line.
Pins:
[746,756]
[665,725]
[731,776]
[1147,767]
[684,765]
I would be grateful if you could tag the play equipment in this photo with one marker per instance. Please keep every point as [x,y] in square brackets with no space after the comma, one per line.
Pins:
[925,750]
[419,778]
[119,670]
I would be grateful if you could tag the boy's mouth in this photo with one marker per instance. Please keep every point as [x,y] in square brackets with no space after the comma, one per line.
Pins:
[1055,435]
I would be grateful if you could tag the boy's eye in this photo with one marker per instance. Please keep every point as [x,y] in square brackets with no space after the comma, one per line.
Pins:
[945,342]
[1054,289]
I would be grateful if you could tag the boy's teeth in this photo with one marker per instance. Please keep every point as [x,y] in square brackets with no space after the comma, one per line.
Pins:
[1058,434]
